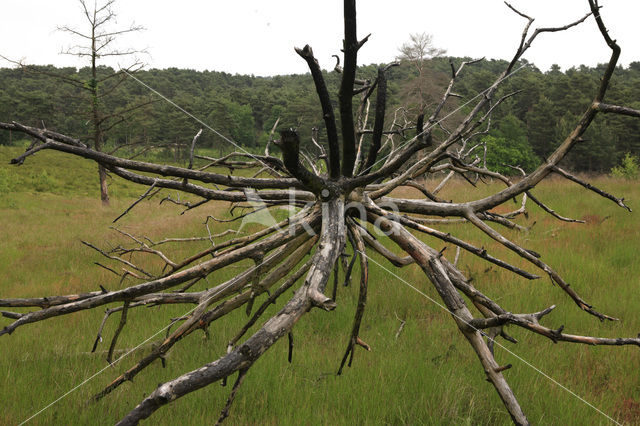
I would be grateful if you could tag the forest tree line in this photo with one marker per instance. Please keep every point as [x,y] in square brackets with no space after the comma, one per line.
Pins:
[524,129]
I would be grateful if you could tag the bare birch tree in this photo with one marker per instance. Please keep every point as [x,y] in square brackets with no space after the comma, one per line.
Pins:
[419,49]
[337,209]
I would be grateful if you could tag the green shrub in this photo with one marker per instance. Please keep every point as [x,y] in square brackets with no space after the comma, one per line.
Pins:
[502,152]
[628,169]
[42,182]
[8,182]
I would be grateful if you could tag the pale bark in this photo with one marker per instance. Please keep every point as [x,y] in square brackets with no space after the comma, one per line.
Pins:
[353,196]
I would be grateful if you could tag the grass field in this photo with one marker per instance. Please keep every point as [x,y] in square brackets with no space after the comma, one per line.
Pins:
[427,375]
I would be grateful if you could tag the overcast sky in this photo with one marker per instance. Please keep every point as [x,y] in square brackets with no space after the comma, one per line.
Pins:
[258,36]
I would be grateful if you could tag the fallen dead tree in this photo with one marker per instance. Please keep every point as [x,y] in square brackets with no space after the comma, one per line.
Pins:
[341,195]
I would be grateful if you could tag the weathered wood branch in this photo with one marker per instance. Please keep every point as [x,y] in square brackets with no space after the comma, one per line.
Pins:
[480,252]
[170,281]
[290,145]
[53,141]
[350,48]
[201,318]
[327,110]
[378,126]
[330,246]
[362,298]
[532,258]
[551,211]
[573,178]
[429,261]
[616,109]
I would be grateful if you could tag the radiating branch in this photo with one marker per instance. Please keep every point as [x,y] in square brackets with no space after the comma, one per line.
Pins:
[327,110]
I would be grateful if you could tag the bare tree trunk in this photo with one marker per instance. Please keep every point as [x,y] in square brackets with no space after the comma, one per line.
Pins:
[104,191]
[95,111]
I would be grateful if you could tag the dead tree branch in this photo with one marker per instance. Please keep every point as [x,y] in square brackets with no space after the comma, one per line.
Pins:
[329,206]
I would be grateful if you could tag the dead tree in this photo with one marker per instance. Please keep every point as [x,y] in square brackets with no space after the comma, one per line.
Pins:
[97,44]
[340,207]
[417,51]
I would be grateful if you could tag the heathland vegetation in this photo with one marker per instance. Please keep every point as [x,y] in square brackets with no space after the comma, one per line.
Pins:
[421,373]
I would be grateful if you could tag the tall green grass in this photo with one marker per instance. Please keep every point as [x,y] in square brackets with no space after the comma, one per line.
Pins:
[427,375]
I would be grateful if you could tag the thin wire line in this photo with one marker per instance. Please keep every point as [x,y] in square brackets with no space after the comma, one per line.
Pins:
[114,362]
[533,367]
[196,118]
[447,116]
[96,374]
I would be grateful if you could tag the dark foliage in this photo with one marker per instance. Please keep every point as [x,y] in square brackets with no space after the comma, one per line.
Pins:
[246,107]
